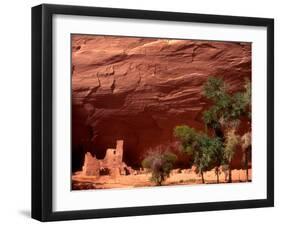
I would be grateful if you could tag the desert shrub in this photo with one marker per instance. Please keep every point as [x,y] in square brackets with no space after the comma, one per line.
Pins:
[159,162]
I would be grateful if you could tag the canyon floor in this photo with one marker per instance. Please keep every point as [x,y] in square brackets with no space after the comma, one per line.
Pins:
[80,182]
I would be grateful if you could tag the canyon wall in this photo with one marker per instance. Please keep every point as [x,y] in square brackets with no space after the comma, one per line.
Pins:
[138,89]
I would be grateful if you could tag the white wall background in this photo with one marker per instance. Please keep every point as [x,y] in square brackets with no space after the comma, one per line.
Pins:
[15,111]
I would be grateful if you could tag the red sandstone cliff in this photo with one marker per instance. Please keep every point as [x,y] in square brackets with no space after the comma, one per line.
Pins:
[138,89]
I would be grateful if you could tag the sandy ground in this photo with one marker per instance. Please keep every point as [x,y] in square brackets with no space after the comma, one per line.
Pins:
[186,177]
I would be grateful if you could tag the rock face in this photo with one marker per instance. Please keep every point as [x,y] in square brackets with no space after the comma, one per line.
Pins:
[138,89]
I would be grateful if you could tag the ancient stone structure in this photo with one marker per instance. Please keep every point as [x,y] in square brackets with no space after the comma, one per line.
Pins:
[112,164]
[91,165]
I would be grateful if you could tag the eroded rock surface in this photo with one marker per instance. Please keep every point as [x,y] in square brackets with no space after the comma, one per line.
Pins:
[138,89]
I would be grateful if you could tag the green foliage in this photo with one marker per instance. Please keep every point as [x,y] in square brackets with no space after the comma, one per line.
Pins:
[159,162]
[239,105]
[226,106]
[188,138]
[216,148]
[211,117]
[214,88]
[223,117]
[206,152]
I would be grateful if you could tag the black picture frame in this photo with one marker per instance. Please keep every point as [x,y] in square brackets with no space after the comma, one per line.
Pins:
[42,111]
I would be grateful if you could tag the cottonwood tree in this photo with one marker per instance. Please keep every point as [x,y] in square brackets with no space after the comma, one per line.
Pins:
[224,116]
[226,107]
[217,155]
[203,150]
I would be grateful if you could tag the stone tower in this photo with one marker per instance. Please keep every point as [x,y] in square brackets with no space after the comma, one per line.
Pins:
[113,162]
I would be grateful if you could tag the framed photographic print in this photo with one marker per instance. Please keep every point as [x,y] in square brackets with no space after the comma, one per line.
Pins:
[145,112]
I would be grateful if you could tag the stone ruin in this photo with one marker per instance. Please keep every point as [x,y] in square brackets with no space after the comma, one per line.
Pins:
[111,165]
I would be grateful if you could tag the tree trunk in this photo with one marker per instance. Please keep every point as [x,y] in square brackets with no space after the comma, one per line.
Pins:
[202,177]
[225,176]
[160,180]
[219,133]
[217,174]
[246,166]
[229,174]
